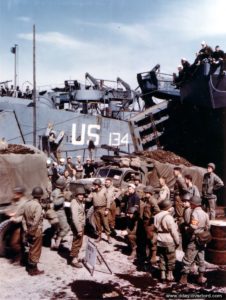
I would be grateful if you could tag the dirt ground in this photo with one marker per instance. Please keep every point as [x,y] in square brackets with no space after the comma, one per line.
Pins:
[128,281]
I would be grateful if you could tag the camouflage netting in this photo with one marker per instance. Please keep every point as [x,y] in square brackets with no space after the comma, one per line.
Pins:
[166,157]
[25,167]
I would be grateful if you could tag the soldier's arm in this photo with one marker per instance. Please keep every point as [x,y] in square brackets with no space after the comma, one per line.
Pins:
[218,183]
[37,217]
[182,185]
[75,216]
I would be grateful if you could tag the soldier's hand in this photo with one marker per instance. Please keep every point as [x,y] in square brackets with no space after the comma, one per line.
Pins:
[106,212]
[124,232]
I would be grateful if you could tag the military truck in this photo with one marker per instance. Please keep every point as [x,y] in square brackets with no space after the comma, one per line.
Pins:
[21,165]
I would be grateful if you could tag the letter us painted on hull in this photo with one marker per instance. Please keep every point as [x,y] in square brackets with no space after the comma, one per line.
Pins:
[81,135]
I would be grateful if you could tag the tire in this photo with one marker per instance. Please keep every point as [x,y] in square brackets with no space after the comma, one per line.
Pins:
[4,227]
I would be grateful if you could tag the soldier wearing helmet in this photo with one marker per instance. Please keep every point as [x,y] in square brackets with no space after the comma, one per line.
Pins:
[58,199]
[180,188]
[167,239]
[78,225]
[112,193]
[101,203]
[199,222]
[211,183]
[32,224]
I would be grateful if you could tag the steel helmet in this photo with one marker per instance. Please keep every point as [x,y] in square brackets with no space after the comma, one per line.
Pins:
[19,190]
[60,183]
[37,192]
[165,204]
[196,201]
[97,182]
[211,165]
[186,197]
[80,191]
[149,189]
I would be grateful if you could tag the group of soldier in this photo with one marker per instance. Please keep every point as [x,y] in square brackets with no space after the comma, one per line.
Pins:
[205,54]
[157,222]
[15,92]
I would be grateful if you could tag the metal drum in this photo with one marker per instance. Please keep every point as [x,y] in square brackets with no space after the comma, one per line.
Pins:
[216,249]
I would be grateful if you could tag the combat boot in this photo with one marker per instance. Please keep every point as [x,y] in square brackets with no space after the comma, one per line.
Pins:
[169,276]
[75,263]
[98,239]
[184,279]
[201,278]
[113,232]
[109,239]
[163,275]
[34,271]
[133,255]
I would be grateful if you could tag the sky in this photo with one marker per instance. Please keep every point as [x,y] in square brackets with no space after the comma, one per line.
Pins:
[107,38]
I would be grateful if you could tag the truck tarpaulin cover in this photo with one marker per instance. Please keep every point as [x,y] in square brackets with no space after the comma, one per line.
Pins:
[27,170]
[166,170]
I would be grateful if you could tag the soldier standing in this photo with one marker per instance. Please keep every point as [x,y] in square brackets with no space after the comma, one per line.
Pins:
[32,224]
[195,251]
[132,199]
[151,208]
[211,183]
[167,240]
[58,199]
[78,224]
[180,188]
[111,193]
[131,231]
[101,205]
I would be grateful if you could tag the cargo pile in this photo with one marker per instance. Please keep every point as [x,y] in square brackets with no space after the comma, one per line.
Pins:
[16,149]
[165,157]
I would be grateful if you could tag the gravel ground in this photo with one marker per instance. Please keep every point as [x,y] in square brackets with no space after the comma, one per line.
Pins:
[61,281]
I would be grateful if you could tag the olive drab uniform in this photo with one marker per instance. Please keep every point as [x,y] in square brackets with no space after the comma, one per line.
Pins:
[32,225]
[58,199]
[150,209]
[164,193]
[77,225]
[195,252]
[211,183]
[180,188]
[112,193]
[101,202]
[167,240]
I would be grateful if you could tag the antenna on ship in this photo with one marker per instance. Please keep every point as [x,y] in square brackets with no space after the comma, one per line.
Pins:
[34,90]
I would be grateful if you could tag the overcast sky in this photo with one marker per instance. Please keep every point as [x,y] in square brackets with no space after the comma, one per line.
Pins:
[107,38]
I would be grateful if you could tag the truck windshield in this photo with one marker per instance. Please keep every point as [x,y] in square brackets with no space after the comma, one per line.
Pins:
[112,173]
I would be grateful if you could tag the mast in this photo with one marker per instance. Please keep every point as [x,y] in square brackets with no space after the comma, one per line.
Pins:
[34,90]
